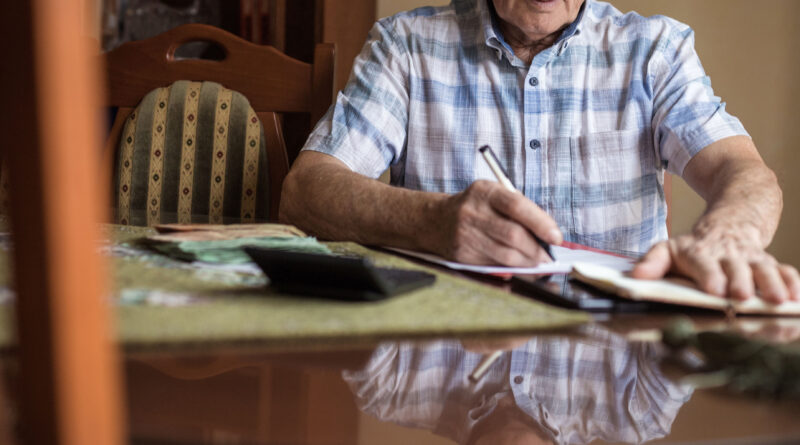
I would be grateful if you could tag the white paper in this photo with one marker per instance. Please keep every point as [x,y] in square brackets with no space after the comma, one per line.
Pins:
[565,258]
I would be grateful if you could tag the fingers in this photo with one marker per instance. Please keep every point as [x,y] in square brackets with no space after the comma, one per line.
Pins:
[694,263]
[654,264]
[488,231]
[508,256]
[518,208]
[704,270]
[769,282]
[740,279]
[691,259]
[485,237]
[792,279]
[510,235]
[727,275]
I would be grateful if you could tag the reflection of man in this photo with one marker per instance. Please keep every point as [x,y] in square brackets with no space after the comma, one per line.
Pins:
[549,390]
[585,108]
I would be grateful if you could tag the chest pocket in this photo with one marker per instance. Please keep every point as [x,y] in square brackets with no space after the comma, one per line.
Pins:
[616,190]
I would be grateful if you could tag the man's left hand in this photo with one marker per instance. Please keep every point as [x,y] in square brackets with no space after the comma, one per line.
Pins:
[725,253]
[726,261]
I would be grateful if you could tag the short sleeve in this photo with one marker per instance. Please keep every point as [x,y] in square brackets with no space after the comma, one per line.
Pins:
[687,116]
[366,127]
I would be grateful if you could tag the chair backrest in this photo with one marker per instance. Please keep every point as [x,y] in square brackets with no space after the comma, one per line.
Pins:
[192,152]
[272,82]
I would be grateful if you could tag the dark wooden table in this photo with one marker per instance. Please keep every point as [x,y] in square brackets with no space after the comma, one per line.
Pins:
[300,397]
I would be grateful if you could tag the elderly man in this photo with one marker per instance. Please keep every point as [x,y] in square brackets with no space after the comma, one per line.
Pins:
[585,108]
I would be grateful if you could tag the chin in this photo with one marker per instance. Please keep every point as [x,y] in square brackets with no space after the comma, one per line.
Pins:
[547,4]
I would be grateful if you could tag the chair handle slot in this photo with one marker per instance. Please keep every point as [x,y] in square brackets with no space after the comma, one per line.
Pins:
[198,49]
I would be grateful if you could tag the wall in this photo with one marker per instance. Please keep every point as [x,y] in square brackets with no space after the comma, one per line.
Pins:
[750,50]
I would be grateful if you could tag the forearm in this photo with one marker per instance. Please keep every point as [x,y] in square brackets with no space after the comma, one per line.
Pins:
[328,200]
[725,253]
[748,198]
[741,194]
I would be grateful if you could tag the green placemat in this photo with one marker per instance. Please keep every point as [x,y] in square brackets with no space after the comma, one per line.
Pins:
[241,310]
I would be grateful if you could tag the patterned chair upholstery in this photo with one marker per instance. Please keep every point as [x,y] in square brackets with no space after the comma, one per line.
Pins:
[192,152]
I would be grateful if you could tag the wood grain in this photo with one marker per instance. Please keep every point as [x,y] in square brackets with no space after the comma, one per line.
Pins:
[70,378]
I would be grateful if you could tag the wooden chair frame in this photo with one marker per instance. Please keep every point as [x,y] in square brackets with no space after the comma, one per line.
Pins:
[272,82]
[69,391]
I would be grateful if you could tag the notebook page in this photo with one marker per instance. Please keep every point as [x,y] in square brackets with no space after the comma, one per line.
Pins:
[565,258]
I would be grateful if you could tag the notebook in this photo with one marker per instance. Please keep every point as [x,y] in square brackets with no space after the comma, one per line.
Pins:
[566,255]
[675,291]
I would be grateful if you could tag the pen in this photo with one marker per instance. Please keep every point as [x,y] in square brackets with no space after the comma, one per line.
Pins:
[502,178]
[484,365]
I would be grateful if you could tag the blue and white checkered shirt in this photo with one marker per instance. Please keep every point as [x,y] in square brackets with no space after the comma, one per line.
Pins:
[577,390]
[585,131]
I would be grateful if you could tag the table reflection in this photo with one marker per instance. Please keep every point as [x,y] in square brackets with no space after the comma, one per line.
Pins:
[549,389]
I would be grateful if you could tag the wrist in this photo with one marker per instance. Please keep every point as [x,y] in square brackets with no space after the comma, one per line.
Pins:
[435,230]
[712,227]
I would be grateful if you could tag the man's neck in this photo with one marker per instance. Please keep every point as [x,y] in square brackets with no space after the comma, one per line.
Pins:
[523,46]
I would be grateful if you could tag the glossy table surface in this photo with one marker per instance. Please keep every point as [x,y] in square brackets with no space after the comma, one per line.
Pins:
[606,382]
[588,385]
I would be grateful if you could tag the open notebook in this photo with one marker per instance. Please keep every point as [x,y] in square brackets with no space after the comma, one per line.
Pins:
[566,255]
[673,291]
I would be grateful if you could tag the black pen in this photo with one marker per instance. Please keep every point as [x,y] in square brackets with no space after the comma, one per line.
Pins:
[502,178]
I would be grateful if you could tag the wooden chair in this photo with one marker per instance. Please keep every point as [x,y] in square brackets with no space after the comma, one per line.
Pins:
[69,391]
[272,82]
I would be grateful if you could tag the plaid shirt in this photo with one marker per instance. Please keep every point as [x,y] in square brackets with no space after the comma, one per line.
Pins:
[599,387]
[585,131]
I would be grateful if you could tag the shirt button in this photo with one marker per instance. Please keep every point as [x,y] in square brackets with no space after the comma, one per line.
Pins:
[518,379]
[533,81]
[535,144]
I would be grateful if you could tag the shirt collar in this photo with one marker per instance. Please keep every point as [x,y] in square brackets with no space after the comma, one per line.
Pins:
[494,38]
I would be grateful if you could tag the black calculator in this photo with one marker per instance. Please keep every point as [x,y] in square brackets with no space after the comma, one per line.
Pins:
[334,277]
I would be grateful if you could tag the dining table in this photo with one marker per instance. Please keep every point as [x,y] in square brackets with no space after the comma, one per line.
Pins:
[213,355]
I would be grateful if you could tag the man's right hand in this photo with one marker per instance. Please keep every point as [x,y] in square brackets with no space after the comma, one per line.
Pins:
[484,224]
[487,224]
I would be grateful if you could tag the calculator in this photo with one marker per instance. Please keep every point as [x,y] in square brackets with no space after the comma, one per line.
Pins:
[348,278]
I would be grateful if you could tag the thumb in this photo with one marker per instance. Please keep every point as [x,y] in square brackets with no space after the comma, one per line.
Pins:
[655,263]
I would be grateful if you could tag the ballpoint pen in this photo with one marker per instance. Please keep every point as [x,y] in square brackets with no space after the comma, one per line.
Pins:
[502,178]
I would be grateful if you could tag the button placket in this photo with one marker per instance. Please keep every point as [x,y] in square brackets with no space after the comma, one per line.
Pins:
[533,96]
[534,144]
